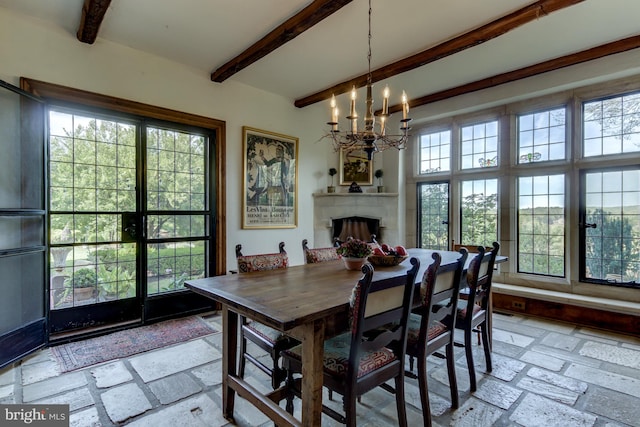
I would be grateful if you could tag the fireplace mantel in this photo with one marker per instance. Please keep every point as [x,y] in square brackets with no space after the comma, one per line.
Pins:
[327,206]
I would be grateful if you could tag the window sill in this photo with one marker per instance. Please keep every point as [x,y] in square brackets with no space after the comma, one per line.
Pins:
[606,304]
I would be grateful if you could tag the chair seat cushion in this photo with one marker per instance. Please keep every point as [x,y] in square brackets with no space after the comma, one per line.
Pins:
[435,330]
[266,332]
[336,356]
[462,310]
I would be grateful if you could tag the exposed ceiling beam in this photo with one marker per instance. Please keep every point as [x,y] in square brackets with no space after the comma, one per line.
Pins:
[92,15]
[597,52]
[469,39]
[285,32]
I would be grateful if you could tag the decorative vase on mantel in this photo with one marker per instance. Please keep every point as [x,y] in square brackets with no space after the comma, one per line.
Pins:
[353,263]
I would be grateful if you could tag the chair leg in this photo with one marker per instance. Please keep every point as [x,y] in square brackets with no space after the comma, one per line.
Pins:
[469,354]
[424,391]
[453,382]
[243,351]
[486,341]
[289,382]
[349,403]
[400,404]
[277,374]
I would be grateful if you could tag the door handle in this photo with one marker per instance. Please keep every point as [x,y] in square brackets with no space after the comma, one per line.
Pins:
[129,232]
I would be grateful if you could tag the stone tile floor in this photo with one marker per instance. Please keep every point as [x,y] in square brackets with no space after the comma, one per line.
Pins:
[545,373]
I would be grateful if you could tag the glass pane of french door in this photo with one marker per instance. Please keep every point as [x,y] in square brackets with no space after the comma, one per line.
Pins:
[433,216]
[176,214]
[92,170]
[611,227]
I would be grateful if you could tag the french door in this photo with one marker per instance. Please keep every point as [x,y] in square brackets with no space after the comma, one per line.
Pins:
[129,218]
[22,224]
[610,227]
[433,215]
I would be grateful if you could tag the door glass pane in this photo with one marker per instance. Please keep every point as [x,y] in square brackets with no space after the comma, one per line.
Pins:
[170,264]
[92,176]
[176,186]
[21,231]
[434,216]
[612,241]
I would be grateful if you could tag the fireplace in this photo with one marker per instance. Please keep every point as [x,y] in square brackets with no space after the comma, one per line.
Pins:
[358,227]
[380,207]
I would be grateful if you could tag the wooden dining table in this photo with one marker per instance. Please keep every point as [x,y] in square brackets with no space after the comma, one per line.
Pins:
[308,302]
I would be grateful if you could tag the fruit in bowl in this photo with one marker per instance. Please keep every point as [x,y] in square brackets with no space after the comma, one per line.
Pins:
[386,255]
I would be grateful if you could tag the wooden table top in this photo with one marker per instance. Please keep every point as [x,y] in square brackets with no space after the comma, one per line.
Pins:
[286,298]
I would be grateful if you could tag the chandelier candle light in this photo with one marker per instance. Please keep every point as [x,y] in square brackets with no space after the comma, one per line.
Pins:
[368,140]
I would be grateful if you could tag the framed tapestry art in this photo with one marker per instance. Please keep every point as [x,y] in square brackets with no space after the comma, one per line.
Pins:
[355,167]
[270,183]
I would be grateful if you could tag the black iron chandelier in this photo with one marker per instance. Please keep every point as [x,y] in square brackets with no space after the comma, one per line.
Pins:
[373,138]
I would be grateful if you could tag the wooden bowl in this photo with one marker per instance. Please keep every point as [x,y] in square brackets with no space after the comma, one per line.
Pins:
[386,261]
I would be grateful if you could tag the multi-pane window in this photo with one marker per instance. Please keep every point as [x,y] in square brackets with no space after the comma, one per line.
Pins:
[435,152]
[587,182]
[479,212]
[541,225]
[433,217]
[479,145]
[541,136]
[612,125]
[612,226]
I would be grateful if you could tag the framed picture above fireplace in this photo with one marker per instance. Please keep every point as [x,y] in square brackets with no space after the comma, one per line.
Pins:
[270,198]
[355,167]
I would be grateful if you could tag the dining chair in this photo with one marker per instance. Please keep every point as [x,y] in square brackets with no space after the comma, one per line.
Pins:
[473,314]
[266,338]
[371,352]
[432,325]
[315,255]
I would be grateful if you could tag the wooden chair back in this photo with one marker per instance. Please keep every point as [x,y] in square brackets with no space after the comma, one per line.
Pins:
[261,262]
[315,255]
[479,277]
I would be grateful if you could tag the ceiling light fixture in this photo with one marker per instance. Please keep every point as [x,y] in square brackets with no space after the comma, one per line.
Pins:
[368,140]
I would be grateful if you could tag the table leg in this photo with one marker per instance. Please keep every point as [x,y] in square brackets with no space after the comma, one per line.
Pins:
[229,359]
[312,368]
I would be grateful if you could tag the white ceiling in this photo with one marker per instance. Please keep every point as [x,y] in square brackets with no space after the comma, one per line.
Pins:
[205,34]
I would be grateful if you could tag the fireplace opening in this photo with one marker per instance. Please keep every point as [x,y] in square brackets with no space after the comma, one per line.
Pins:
[358,227]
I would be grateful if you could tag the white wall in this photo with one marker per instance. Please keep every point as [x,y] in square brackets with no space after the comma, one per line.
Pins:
[34,49]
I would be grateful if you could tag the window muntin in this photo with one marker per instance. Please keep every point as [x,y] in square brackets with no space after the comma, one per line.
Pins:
[611,237]
[479,145]
[611,126]
[479,212]
[541,136]
[541,225]
[435,152]
[433,216]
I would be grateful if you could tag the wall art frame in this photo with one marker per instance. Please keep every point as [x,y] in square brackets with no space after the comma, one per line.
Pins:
[270,180]
[355,167]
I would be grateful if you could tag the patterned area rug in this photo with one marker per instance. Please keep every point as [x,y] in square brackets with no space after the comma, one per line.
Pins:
[125,343]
